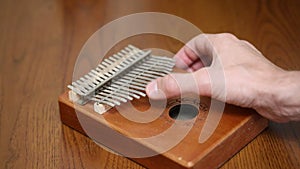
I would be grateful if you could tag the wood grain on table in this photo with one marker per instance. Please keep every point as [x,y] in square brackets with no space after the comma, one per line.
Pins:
[39,44]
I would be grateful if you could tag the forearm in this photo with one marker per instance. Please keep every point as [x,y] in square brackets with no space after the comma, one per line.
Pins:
[280,97]
[288,96]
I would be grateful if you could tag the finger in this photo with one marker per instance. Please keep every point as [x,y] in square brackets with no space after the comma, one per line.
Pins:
[199,49]
[174,85]
[185,57]
[195,66]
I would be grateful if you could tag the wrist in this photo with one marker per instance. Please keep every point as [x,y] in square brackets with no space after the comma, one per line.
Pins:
[288,96]
[279,97]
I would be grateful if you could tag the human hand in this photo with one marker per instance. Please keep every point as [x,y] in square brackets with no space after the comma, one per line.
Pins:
[233,71]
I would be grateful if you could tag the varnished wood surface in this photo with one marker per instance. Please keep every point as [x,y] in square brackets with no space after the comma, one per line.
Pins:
[235,130]
[39,43]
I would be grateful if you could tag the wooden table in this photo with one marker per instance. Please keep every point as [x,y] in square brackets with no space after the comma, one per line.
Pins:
[39,43]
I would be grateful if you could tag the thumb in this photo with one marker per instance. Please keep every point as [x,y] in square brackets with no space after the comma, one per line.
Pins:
[178,84]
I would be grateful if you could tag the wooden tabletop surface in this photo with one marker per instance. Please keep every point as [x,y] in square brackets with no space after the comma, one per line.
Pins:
[39,44]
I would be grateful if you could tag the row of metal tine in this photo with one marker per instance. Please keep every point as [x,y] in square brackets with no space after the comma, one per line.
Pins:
[121,77]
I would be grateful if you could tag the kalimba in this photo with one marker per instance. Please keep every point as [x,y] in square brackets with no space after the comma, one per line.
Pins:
[99,103]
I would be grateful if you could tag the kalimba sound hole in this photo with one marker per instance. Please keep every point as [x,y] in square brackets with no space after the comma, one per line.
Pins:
[183,112]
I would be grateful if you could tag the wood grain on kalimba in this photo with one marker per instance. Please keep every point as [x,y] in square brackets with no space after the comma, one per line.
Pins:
[93,105]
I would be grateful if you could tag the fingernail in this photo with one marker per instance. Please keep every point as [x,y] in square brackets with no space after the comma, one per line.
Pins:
[153,92]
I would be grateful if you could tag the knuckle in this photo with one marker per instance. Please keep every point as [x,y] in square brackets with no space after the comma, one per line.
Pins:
[224,41]
[227,36]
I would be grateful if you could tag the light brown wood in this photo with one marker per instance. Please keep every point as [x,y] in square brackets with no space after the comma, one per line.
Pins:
[236,129]
[39,43]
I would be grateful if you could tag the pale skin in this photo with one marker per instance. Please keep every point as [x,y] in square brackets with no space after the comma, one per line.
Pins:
[249,79]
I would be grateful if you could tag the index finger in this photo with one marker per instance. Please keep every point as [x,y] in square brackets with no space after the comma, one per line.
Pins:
[196,50]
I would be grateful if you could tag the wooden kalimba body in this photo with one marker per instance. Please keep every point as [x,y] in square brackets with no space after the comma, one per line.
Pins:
[93,103]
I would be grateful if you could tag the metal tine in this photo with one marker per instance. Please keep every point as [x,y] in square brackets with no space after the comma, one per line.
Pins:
[134,48]
[112,95]
[106,102]
[129,48]
[138,54]
[75,84]
[128,55]
[134,53]
[134,79]
[156,66]
[113,68]
[108,68]
[130,51]
[90,80]
[103,69]
[109,61]
[91,73]
[131,59]
[123,63]
[99,70]
[106,64]
[126,92]
[153,62]
[116,69]
[116,57]
[117,93]
[84,83]
[131,86]
[101,66]
[162,59]
[163,69]
[158,69]
[144,74]
[98,74]
[119,66]
[130,90]
[108,74]
[103,101]
[76,90]
[107,99]
[122,55]
[159,63]
[140,77]
[150,72]
[170,65]
[112,71]
[105,75]
[112,59]
[109,65]
[125,52]
[127,62]
[133,82]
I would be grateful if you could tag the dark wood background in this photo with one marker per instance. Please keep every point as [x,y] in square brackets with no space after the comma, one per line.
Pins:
[39,44]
